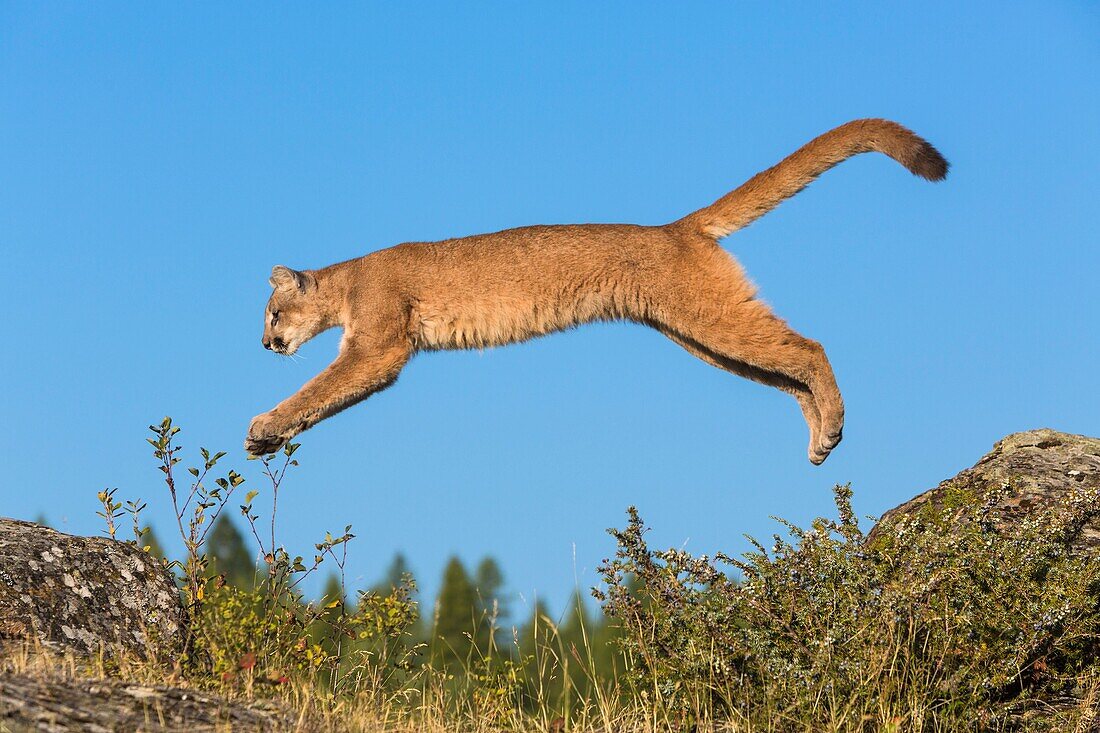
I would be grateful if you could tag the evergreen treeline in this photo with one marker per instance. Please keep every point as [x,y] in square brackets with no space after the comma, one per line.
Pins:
[471,628]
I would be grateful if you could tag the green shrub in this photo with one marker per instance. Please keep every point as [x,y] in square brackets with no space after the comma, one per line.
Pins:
[942,623]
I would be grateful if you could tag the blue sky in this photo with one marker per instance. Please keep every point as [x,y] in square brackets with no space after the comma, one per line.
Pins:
[156,160]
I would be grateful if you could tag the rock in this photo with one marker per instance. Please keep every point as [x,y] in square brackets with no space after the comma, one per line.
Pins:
[62,705]
[85,594]
[1040,467]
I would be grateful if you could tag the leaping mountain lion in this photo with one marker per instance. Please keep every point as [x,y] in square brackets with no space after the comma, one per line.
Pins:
[503,288]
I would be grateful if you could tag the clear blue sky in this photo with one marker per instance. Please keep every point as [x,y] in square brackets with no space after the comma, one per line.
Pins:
[156,160]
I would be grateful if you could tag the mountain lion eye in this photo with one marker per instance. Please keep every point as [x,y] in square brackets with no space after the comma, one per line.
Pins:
[275,318]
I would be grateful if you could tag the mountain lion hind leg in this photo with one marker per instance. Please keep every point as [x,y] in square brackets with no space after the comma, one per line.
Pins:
[796,389]
[715,315]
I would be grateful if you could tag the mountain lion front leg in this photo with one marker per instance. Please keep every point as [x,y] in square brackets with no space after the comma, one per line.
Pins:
[357,373]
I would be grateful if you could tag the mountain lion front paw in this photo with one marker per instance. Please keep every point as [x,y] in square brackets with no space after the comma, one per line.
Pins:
[267,433]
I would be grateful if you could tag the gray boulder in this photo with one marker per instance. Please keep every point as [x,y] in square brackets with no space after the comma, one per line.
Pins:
[1039,468]
[85,594]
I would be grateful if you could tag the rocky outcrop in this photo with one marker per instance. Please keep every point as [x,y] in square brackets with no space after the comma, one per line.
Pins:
[61,705]
[1038,469]
[85,594]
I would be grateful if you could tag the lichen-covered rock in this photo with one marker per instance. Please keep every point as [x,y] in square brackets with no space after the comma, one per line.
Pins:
[85,594]
[62,705]
[1039,468]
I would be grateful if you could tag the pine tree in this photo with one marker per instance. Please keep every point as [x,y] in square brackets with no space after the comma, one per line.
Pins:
[608,661]
[397,575]
[538,658]
[578,651]
[576,624]
[491,609]
[325,630]
[333,591]
[538,629]
[455,613]
[488,580]
[229,555]
[394,577]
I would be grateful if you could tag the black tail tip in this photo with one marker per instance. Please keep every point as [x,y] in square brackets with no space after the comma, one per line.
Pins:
[928,163]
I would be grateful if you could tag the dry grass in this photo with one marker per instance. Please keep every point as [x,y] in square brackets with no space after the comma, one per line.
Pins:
[431,702]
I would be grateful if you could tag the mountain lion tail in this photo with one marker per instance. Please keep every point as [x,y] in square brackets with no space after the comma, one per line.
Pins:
[767,189]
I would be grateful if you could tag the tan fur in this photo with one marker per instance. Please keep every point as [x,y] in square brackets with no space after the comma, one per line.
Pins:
[495,289]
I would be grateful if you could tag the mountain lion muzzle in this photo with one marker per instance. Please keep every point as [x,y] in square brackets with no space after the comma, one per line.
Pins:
[507,287]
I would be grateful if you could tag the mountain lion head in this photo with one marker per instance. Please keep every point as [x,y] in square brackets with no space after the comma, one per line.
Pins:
[294,314]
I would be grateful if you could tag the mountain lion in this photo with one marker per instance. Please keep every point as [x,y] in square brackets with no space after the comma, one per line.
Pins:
[502,288]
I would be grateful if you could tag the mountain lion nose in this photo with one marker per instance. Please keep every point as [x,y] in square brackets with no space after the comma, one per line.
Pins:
[266,343]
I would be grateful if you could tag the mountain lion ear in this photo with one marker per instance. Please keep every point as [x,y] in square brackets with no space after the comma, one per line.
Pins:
[284,278]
